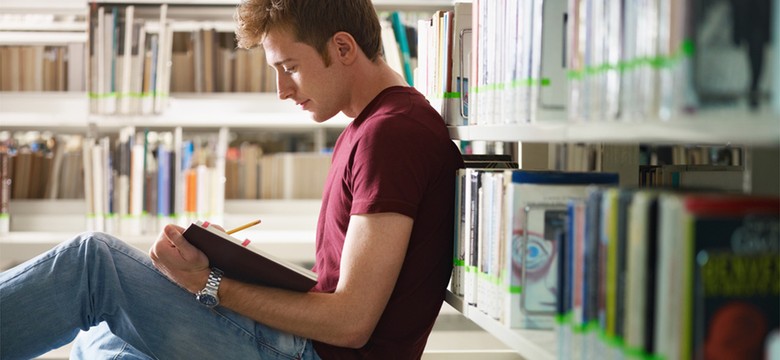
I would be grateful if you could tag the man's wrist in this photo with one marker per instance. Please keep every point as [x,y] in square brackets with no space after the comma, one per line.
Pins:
[209,296]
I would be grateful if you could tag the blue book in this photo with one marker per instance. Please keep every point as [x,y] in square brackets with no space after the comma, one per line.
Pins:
[562,177]
[403,43]
[163,181]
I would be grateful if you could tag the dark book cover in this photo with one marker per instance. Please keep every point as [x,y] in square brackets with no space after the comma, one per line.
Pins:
[736,273]
[248,264]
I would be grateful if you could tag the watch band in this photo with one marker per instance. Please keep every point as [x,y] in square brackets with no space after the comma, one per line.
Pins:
[215,277]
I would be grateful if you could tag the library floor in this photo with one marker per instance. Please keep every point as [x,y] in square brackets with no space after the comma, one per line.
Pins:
[453,338]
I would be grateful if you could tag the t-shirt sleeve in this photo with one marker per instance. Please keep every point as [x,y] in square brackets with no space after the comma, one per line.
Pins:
[390,168]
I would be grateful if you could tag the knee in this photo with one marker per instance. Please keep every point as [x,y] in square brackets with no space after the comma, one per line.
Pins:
[95,237]
[93,241]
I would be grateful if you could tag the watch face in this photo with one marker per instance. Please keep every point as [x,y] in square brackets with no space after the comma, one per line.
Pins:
[208,299]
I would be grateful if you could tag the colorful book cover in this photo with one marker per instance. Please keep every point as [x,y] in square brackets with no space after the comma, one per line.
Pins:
[735,271]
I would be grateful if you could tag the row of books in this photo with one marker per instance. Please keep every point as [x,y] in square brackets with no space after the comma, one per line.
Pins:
[136,59]
[503,247]
[251,174]
[139,176]
[619,272]
[589,156]
[514,63]
[691,155]
[721,177]
[672,275]
[205,60]
[129,59]
[530,60]
[42,68]
[40,166]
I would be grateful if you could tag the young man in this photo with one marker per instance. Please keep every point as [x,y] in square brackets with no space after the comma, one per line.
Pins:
[384,235]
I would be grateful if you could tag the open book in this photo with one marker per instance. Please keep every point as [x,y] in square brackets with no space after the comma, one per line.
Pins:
[241,260]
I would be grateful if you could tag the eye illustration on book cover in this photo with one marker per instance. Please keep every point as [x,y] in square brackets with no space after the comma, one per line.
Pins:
[534,264]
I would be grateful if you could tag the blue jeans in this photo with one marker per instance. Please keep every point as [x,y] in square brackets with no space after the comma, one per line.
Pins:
[98,283]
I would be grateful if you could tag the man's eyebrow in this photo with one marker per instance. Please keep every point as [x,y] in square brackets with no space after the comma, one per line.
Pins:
[281,62]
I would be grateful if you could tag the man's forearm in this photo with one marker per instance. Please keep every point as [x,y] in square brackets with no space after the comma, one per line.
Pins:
[325,317]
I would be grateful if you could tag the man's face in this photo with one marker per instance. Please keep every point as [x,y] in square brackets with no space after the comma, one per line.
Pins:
[301,75]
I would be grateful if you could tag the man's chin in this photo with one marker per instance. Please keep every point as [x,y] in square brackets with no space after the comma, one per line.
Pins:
[320,118]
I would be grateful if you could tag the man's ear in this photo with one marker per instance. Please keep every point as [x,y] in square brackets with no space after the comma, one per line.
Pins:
[345,46]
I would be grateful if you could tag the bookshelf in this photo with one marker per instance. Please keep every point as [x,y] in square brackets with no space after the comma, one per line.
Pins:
[501,120]
[69,112]
[260,112]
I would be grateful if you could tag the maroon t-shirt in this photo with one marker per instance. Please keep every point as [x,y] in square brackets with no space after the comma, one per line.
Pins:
[396,156]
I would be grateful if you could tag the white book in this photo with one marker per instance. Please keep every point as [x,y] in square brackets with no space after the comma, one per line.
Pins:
[38,52]
[218,182]
[472,236]
[98,184]
[137,178]
[137,73]
[422,77]
[535,58]
[202,191]
[124,95]
[668,269]
[391,51]
[553,95]
[108,95]
[511,49]
[99,59]
[76,67]
[524,73]
[461,53]
[87,146]
[163,43]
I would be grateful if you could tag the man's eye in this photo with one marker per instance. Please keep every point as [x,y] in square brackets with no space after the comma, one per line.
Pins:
[289,70]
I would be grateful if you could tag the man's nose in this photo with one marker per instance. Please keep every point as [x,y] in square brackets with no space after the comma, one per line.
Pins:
[284,86]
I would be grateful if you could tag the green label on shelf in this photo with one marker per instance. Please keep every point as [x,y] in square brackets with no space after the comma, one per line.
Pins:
[656,62]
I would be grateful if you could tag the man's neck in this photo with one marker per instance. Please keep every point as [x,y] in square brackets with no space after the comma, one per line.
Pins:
[370,79]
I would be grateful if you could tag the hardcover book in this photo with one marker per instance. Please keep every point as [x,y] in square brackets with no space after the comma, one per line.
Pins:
[243,260]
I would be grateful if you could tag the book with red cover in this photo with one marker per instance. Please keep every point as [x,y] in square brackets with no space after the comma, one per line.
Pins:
[734,266]
[241,260]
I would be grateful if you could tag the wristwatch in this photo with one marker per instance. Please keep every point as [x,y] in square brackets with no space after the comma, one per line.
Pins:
[208,296]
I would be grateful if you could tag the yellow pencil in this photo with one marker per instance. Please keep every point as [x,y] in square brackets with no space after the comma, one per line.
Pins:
[242,227]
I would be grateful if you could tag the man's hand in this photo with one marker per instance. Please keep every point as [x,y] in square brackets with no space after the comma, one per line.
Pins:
[183,263]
